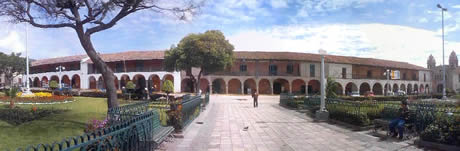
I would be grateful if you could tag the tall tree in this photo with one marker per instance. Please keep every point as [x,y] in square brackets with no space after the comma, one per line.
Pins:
[209,52]
[331,86]
[88,17]
[12,65]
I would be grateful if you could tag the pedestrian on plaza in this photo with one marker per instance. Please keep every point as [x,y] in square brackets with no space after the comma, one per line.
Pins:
[400,121]
[255,96]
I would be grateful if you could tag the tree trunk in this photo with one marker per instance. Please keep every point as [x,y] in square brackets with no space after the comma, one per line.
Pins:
[107,73]
[197,86]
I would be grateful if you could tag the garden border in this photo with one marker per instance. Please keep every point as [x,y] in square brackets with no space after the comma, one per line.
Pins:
[434,145]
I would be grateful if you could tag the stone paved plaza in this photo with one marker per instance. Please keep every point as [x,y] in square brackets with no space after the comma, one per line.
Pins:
[270,127]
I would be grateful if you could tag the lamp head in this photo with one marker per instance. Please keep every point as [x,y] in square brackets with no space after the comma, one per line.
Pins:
[322,52]
[439,6]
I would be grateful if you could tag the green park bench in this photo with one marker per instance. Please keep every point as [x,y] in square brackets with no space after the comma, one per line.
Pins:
[391,112]
[160,133]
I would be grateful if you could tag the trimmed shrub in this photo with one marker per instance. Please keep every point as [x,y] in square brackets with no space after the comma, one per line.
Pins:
[53,84]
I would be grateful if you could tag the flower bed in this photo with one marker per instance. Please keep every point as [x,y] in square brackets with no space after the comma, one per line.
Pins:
[36,99]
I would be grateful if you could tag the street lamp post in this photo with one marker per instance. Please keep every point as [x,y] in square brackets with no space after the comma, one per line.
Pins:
[27,91]
[322,114]
[60,68]
[443,67]
[387,86]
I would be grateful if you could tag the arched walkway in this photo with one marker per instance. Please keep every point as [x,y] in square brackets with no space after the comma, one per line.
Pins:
[387,88]
[54,78]
[204,85]
[100,83]
[124,79]
[416,90]
[377,89]
[92,82]
[187,85]
[439,88]
[427,88]
[409,89]
[298,86]
[395,88]
[250,84]
[36,82]
[403,87]
[44,81]
[264,87]
[139,81]
[363,88]
[218,86]
[168,77]
[75,81]
[422,89]
[350,88]
[313,87]
[234,86]
[65,81]
[338,89]
[280,86]
[155,83]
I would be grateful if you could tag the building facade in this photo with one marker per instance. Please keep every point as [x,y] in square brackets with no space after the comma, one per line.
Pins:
[264,72]
[452,74]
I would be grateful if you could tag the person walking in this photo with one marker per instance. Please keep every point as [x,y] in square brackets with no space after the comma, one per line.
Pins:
[255,96]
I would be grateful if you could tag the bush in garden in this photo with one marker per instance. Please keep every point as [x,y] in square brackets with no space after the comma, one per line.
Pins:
[445,129]
[331,86]
[53,85]
[130,86]
[168,87]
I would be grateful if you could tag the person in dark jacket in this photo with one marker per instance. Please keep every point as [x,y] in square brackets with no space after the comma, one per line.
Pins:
[255,96]
[399,122]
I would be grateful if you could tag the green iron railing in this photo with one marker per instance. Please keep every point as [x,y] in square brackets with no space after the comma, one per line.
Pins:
[131,135]
[126,112]
[191,108]
[206,99]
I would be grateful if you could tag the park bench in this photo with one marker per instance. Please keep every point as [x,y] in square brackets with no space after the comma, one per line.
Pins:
[160,133]
[391,112]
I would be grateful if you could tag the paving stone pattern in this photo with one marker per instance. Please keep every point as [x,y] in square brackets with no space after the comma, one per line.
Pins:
[272,128]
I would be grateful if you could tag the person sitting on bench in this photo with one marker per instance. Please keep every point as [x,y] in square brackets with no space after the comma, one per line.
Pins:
[400,121]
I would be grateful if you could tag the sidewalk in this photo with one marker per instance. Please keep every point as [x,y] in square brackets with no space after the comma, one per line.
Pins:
[270,127]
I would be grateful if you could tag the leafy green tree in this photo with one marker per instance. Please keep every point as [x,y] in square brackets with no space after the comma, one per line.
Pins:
[168,87]
[331,86]
[12,65]
[130,86]
[87,17]
[209,52]
[53,84]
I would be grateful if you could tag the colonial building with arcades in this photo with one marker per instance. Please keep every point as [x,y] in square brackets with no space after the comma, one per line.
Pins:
[265,72]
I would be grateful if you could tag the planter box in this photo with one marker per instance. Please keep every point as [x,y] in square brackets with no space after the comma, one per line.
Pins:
[437,146]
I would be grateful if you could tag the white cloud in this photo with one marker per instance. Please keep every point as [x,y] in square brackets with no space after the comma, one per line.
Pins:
[393,42]
[41,43]
[319,7]
[279,3]
[423,20]
[456,6]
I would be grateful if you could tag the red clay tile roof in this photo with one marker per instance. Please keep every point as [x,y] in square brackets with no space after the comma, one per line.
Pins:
[57,60]
[131,55]
[328,58]
[149,55]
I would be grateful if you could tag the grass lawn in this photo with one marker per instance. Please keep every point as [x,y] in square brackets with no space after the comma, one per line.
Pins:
[54,127]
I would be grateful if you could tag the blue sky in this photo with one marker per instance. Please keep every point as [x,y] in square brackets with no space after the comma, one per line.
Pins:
[402,30]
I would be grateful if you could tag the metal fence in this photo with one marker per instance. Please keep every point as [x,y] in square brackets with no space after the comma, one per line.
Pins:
[191,108]
[134,134]
[206,99]
[126,112]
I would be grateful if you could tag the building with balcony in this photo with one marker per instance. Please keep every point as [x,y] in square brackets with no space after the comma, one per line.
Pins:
[265,72]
